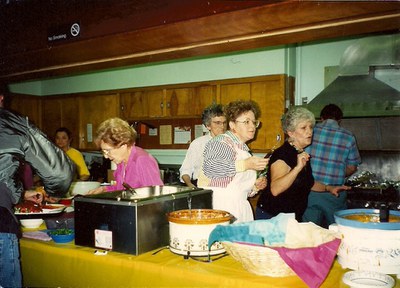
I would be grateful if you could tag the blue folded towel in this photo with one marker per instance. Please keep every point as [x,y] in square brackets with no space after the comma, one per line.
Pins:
[268,232]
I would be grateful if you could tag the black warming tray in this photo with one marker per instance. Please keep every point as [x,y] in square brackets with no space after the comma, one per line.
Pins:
[133,222]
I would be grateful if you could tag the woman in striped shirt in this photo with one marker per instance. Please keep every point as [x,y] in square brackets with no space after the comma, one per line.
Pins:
[228,167]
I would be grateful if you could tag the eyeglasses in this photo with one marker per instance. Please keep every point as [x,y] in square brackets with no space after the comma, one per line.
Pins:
[219,123]
[107,151]
[247,122]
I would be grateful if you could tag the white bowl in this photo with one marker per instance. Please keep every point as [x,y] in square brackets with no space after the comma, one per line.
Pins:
[31,223]
[83,187]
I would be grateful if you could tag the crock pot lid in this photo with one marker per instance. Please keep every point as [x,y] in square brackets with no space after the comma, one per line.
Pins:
[340,220]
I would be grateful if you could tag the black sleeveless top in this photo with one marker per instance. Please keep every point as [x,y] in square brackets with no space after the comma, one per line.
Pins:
[294,199]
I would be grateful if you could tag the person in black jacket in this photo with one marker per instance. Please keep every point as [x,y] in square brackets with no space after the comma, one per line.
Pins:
[20,141]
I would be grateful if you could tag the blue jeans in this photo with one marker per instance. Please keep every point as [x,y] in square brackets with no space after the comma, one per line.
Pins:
[10,268]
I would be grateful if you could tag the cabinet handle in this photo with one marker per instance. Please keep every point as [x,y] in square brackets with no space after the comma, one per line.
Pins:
[161,105]
[168,105]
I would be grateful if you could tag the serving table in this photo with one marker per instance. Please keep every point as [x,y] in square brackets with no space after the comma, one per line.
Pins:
[47,264]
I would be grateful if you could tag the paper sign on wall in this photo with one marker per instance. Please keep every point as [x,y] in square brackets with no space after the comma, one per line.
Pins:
[199,131]
[165,134]
[182,134]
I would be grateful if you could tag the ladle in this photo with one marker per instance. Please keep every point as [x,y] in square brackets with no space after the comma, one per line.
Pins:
[129,188]
[384,213]
[278,140]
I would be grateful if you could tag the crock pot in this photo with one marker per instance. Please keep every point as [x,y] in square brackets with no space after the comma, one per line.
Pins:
[372,246]
[189,231]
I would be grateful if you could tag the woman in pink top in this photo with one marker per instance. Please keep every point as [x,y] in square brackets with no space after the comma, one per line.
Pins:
[116,139]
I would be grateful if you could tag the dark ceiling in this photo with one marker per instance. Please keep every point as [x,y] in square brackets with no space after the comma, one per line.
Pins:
[140,31]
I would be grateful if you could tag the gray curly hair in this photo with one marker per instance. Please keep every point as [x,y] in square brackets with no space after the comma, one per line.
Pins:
[294,116]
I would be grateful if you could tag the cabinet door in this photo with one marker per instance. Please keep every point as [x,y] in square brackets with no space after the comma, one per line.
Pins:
[51,116]
[205,96]
[233,92]
[189,101]
[29,106]
[94,109]
[60,112]
[269,93]
[142,104]
[270,96]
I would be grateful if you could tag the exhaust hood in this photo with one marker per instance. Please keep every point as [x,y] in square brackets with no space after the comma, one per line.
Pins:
[356,90]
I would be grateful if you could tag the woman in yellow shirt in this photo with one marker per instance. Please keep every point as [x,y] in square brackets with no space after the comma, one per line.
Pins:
[63,140]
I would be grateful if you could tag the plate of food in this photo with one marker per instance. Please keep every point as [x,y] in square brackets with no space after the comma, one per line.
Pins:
[32,208]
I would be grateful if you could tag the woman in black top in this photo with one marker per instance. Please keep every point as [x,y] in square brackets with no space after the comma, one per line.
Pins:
[289,177]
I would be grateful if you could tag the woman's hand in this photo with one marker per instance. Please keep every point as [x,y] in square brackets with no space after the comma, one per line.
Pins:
[261,183]
[302,159]
[98,190]
[256,163]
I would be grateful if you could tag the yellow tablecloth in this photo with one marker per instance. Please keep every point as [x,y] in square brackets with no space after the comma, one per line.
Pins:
[47,264]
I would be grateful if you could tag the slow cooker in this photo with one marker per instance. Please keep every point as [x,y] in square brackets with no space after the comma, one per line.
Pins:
[369,245]
[189,231]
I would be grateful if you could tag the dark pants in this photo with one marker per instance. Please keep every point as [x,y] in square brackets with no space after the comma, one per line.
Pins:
[322,207]
[261,214]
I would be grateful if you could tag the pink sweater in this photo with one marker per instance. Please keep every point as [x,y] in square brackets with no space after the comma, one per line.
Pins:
[141,170]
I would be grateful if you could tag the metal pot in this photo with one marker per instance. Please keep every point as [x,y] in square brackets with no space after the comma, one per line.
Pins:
[189,231]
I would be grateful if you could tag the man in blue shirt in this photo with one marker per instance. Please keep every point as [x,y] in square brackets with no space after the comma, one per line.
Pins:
[334,156]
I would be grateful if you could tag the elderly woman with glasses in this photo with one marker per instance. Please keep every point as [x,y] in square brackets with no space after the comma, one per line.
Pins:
[214,120]
[228,167]
[116,139]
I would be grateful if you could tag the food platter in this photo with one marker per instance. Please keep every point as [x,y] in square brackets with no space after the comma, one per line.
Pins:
[47,210]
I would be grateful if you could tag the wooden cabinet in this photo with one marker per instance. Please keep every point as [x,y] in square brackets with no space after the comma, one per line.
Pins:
[60,111]
[269,92]
[171,102]
[189,101]
[27,105]
[142,104]
[94,109]
[75,112]
[161,105]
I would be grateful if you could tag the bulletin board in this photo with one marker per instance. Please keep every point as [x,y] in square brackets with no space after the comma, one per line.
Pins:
[167,133]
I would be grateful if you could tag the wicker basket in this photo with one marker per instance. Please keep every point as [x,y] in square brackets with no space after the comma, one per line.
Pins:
[259,260]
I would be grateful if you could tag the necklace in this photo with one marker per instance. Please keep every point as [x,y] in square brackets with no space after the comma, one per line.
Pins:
[299,150]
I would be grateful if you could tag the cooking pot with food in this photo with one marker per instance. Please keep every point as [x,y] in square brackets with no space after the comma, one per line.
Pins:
[367,243]
[189,231]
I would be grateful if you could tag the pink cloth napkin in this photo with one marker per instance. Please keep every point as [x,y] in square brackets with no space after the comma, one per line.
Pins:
[312,264]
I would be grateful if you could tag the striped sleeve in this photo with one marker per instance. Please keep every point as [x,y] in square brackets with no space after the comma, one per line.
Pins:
[219,160]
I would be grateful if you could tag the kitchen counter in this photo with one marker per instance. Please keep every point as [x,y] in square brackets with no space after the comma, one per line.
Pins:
[47,264]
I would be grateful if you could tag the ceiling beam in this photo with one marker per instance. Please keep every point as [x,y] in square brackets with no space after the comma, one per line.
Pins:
[273,24]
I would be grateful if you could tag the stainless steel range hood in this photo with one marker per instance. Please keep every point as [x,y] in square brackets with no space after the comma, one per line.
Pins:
[357,90]
[359,96]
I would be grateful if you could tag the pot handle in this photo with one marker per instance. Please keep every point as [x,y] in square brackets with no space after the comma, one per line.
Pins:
[383,213]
